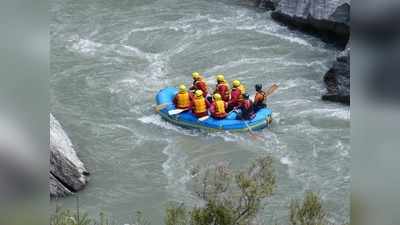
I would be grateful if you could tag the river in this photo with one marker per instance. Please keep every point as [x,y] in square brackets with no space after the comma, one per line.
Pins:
[109,59]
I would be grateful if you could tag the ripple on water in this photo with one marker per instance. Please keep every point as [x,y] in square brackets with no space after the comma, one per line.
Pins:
[161,44]
[177,173]
[159,122]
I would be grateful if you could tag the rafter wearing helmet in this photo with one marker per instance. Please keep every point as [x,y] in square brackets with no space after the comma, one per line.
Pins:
[222,87]
[199,83]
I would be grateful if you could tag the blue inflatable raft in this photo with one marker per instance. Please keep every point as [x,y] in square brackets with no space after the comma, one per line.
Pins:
[188,120]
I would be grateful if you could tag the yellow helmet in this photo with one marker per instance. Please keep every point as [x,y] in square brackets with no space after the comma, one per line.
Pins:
[217,97]
[198,93]
[196,75]
[220,77]
[236,83]
[182,88]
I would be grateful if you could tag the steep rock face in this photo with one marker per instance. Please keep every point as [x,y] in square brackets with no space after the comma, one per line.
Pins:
[265,4]
[57,189]
[67,172]
[330,18]
[337,79]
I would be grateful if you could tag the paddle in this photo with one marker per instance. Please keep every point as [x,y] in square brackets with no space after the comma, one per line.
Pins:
[271,90]
[176,111]
[247,125]
[203,118]
[252,134]
[157,108]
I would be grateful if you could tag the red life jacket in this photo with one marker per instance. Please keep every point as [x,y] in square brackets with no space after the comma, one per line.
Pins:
[235,96]
[247,109]
[223,90]
[201,85]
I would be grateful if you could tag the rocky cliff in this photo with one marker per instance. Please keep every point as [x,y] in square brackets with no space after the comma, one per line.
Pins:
[329,18]
[337,79]
[67,174]
[264,4]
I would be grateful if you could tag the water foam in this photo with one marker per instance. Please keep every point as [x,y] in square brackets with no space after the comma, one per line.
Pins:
[272,30]
[297,82]
[285,160]
[339,113]
[227,136]
[158,121]
[84,46]
[176,172]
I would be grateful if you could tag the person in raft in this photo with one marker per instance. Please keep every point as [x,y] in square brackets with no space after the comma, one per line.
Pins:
[218,107]
[222,88]
[236,95]
[246,108]
[199,104]
[199,84]
[182,98]
[260,98]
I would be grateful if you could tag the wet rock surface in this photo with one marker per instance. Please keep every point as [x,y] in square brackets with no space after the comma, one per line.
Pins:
[330,19]
[337,79]
[266,4]
[67,173]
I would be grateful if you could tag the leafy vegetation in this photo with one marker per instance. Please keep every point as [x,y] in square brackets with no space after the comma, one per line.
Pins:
[74,217]
[231,198]
[228,198]
[309,212]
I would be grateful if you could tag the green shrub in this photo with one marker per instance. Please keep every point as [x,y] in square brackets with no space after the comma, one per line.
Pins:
[309,212]
[67,217]
[228,198]
[175,215]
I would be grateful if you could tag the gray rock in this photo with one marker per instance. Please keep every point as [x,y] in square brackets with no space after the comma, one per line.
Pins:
[330,19]
[265,4]
[337,79]
[57,189]
[67,170]
[326,17]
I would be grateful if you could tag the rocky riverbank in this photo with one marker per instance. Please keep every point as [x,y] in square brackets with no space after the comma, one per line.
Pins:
[329,20]
[337,79]
[67,173]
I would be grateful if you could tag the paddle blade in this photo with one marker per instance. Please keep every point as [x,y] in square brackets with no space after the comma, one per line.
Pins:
[175,111]
[160,107]
[203,118]
[271,89]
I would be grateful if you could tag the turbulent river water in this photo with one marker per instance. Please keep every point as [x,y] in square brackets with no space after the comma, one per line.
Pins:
[109,59]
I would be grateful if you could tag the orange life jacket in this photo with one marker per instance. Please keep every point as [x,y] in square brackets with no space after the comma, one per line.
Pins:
[219,109]
[182,100]
[242,89]
[199,105]
[259,98]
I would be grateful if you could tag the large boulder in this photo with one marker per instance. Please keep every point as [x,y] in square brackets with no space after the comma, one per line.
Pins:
[337,79]
[67,172]
[329,18]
